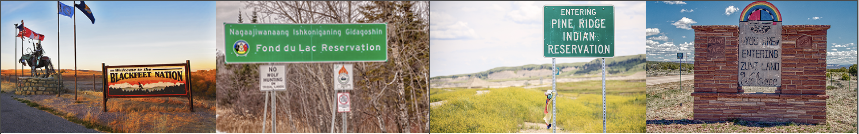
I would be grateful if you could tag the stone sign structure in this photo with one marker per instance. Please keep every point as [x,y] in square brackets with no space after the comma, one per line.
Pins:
[760,52]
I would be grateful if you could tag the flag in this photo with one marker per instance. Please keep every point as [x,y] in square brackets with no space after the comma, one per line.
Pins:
[65,10]
[85,9]
[26,32]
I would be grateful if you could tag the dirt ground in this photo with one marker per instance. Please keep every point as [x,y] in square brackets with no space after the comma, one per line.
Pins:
[669,110]
[531,127]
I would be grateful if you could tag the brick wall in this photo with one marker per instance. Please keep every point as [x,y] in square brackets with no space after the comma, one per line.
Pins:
[38,86]
[801,97]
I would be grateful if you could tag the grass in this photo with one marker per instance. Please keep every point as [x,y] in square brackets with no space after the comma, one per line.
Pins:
[86,122]
[667,102]
[503,110]
[7,87]
[135,115]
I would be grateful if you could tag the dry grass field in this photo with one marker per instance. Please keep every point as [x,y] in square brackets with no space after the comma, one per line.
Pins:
[134,115]
[669,110]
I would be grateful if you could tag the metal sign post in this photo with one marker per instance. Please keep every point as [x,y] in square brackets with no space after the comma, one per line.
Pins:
[554,93]
[680,56]
[265,109]
[343,81]
[578,31]
[603,96]
[272,79]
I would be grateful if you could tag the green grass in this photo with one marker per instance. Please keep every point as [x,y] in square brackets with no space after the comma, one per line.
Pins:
[503,110]
[87,124]
[613,87]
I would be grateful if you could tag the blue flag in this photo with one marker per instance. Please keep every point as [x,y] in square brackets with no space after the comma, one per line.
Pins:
[85,9]
[66,10]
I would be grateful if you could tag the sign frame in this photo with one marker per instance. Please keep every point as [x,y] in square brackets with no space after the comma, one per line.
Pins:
[680,56]
[188,93]
[612,27]
[280,71]
[231,43]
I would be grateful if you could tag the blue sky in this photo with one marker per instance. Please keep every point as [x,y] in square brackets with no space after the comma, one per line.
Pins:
[668,33]
[469,37]
[124,33]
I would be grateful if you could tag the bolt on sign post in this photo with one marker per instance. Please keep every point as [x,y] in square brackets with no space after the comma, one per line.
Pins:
[153,80]
[300,43]
[578,31]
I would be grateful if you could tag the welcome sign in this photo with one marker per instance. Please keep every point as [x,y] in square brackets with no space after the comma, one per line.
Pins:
[147,80]
[578,31]
[760,46]
[153,80]
[272,43]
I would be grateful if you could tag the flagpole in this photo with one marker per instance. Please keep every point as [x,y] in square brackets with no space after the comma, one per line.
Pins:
[59,9]
[74,17]
[16,55]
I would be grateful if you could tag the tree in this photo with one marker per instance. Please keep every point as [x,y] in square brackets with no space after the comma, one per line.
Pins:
[240,17]
[852,70]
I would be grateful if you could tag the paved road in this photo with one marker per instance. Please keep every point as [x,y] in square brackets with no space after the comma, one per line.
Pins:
[17,117]
[666,79]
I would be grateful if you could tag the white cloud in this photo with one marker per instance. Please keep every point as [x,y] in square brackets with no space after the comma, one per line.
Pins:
[651,31]
[527,12]
[651,43]
[674,2]
[834,49]
[687,46]
[468,9]
[684,23]
[684,36]
[684,10]
[730,10]
[841,57]
[443,27]
[659,38]
[842,45]
[815,18]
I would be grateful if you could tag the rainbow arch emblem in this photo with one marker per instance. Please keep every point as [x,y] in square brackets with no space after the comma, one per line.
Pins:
[760,10]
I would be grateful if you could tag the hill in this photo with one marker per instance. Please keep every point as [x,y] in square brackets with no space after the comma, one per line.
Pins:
[540,74]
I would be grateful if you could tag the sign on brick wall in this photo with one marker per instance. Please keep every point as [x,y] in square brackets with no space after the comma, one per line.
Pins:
[760,50]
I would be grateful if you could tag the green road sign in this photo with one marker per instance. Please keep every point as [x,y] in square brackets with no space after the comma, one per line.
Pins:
[578,31]
[267,43]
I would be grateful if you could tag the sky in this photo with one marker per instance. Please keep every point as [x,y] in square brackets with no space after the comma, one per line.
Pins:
[469,37]
[227,12]
[668,24]
[124,33]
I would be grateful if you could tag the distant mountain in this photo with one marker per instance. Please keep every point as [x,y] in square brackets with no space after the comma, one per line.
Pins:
[837,66]
[616,65]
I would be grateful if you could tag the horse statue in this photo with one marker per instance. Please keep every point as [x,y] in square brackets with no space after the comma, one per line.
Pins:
[36,60]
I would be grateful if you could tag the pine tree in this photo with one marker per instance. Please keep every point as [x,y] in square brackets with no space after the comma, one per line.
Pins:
[240,17]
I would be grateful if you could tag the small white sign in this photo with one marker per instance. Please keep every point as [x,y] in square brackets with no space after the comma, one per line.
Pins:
[272,77]
[343,77]
[343,104]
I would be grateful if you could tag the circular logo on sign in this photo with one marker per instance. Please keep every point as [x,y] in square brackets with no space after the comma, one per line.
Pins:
[344,99]
[241,48]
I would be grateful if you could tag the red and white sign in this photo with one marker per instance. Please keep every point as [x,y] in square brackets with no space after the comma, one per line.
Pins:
[343,104]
